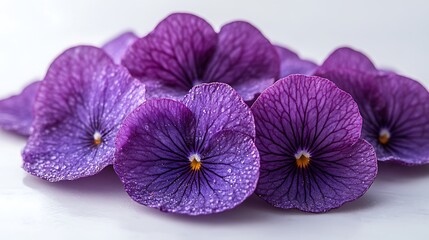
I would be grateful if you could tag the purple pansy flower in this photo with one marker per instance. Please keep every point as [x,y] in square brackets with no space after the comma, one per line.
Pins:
[194,156]
[291,63]
[78,109]
[16,112]
[308,137]
[184,50]
[395,109]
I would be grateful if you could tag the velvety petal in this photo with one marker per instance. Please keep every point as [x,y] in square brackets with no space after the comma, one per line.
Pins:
[16,112]
[217,107]
[83,97]
[152,160]
[156,89]
[251,89]
[176,52]
[347,58]
[291,63]
[331,180]
[394,103]
[308,113]
[117,47]
[242,54]
[285,53]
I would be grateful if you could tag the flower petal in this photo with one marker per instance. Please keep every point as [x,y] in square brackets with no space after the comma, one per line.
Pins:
[78,109]
[117,47]
[330,181]
[16,112]
[176,52]
[395,103]
[291,63]
[306,112]
[217,107]
[242,54]
[347,58]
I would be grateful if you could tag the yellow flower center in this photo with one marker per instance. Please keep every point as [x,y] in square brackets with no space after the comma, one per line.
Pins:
[195,162]
[302,159]
[384,136]
[97,138]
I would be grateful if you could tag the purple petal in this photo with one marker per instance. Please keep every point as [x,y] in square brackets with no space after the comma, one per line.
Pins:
[16,112]
[154,146]
[218,107]
[176,52]
[313,113]
[285,53]
[117,47]
[334,179]
[78,109]
[308,116]
[251,89]
[393,104]
[347,58]
[243,54]
[290,63]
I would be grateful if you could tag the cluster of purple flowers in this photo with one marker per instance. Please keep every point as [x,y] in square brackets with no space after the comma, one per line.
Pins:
[195,121]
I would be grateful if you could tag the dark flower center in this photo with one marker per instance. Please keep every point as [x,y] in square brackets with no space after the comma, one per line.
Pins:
[302,159]
[384,136]
[195,162]
[97,138]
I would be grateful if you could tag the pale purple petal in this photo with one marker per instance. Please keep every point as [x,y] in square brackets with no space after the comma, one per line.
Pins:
[117,47]
[291,63]
[16,112]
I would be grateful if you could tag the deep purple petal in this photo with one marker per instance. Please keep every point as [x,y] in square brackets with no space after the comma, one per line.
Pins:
[308,112]
[347,58]
[117,47]
[83,97]
[16,112]
[394,103]
[217,107]
[152,160]
[309,115]
[291,63]
[176,52]
[242,54]
[332,180]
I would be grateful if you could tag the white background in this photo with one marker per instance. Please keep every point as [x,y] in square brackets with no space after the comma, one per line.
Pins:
[394,33]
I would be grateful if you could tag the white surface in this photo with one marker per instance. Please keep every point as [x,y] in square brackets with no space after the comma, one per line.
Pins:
[32,33]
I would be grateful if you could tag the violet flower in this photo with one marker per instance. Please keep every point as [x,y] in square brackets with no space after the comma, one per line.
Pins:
[193,157]
[291,63]
[184,50]
[78,109]
[308,137]
[16,112]
[395,109]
